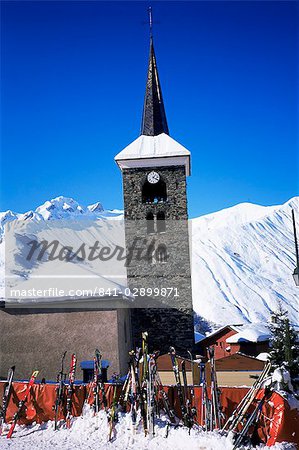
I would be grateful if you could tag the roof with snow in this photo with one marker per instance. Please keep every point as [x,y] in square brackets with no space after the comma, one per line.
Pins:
[144,151]
[263,356]
[152,147]
[220,330]
[254,332]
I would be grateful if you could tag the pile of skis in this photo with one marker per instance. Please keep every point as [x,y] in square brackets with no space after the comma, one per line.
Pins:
[144,396]
[242,423]
[22,401]
[64,392]
[185,395]
[211,411]
[142,392]
[6,396]
[64,396]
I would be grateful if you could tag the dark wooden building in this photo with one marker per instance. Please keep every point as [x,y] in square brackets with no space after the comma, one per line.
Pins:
[232,339]
[238,370]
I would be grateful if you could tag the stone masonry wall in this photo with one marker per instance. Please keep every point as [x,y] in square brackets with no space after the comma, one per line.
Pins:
[170,321]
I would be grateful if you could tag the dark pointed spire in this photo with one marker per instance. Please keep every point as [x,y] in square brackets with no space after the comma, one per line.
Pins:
[154,118]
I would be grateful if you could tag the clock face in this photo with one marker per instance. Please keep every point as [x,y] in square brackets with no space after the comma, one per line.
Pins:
[153,177]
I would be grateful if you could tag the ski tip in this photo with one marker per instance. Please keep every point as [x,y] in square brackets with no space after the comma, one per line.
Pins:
[11,430]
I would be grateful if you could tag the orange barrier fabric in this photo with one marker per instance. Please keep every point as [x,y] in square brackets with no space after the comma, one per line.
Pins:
[39,407]
[278,421]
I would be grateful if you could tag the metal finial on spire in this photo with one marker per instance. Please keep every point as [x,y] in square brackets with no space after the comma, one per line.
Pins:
[150,16]
[154,120]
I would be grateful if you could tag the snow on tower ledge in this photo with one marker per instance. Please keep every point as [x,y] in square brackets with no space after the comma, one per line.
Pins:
[153,151]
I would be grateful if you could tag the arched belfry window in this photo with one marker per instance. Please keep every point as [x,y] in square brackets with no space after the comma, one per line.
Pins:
[150,223]
[161,254]
[154,193]
[161,224]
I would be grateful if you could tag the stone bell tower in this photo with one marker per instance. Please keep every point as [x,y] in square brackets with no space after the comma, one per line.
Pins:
[154,170]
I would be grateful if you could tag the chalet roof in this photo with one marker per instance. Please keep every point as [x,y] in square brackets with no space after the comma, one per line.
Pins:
[220,330]
[253,332]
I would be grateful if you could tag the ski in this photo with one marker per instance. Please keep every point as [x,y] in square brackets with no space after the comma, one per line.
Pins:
[144,386]
[124,394]
[216,416]
[190,412]
[22,403]
[163,395]
[192,374]
[205,403]
[132,391]
[61,376]
[104,400]
[96,389]
[151,395]
[251,421]
[70,391]
[113,412]
[175,368]
[140,395]
[6,396]
[242,408]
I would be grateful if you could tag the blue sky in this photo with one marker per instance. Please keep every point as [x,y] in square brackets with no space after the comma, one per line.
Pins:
[73,79]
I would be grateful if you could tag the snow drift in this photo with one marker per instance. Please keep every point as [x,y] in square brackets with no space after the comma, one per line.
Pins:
[91,432]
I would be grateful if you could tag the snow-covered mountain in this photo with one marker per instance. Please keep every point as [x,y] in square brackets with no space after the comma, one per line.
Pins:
[61,208]
[242,257]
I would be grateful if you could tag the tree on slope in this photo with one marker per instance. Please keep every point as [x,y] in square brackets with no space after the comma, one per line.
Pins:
[284,344]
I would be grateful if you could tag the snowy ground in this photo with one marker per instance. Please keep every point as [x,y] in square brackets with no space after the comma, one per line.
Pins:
[90,433]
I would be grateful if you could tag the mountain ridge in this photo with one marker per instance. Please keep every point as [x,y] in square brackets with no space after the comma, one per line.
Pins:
[242,256]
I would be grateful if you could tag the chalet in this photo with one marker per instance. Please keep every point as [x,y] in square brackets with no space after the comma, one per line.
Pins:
[234,370]
[248,339]
[164,366]
[238,370]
